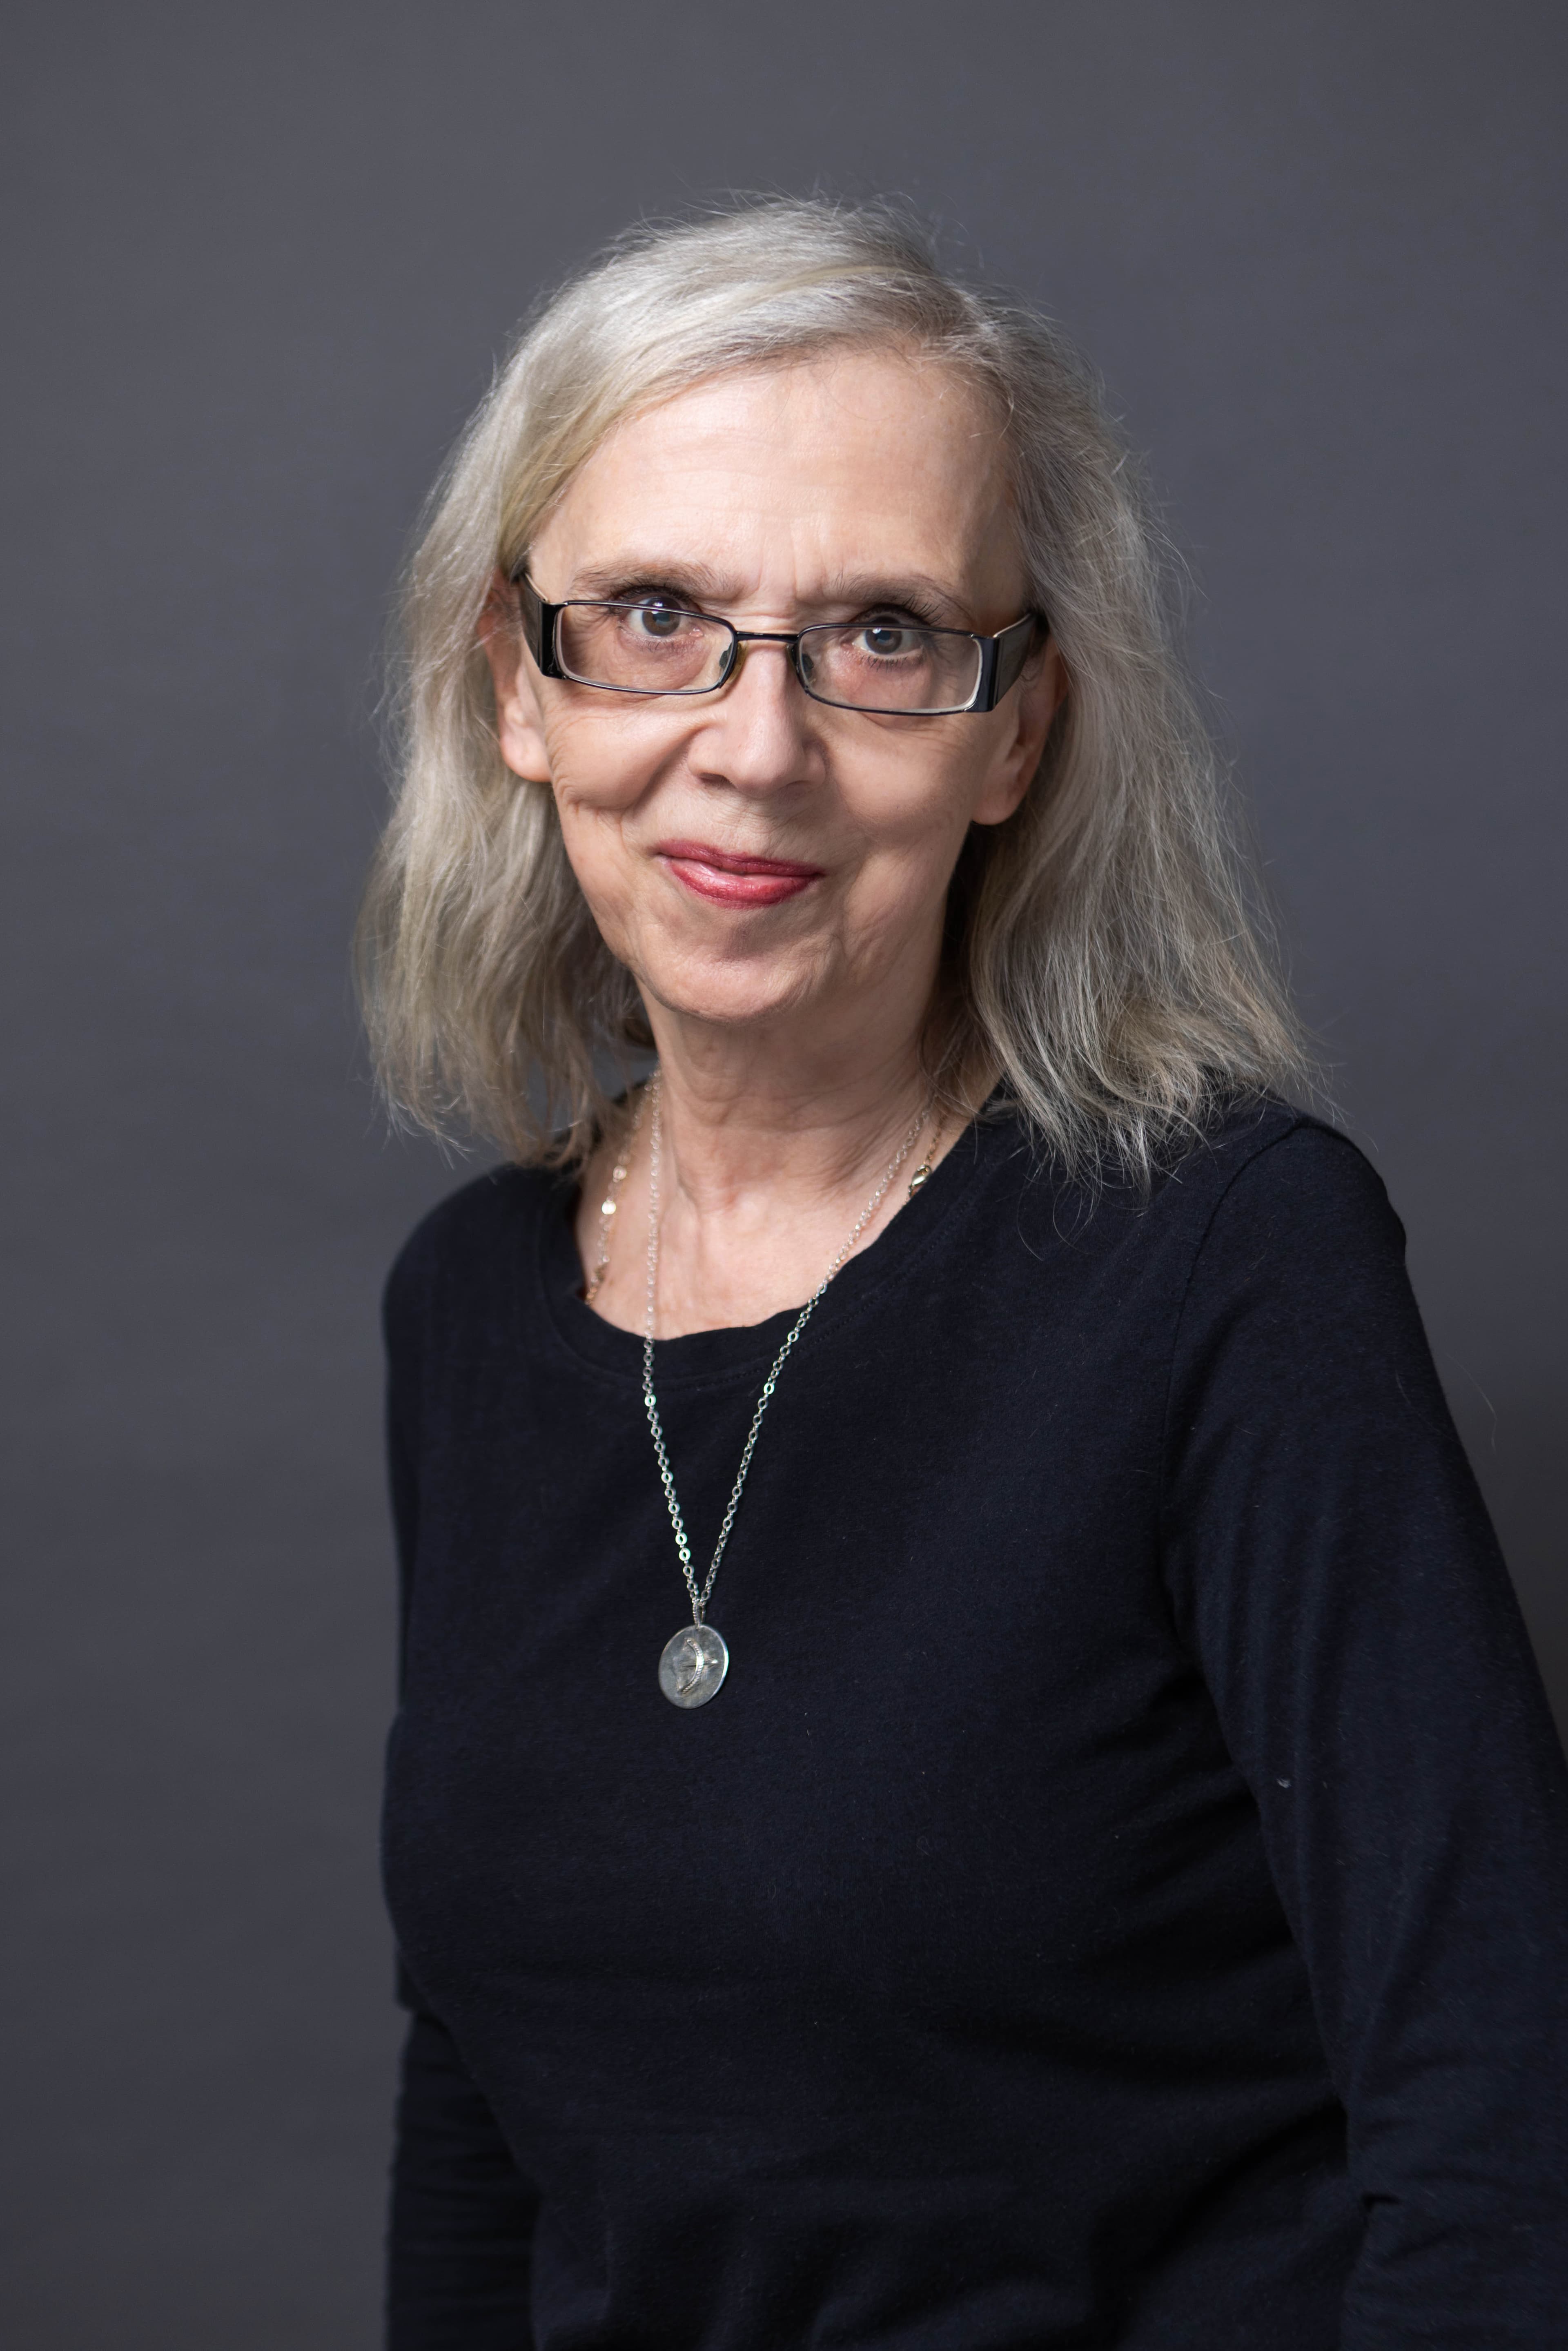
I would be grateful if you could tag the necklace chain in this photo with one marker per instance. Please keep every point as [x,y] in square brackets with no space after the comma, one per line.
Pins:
[610,1202]
[700,1594]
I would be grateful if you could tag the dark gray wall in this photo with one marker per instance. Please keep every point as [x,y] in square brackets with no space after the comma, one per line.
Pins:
[265,258]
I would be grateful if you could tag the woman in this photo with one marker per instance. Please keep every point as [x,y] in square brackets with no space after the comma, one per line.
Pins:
[967,1774]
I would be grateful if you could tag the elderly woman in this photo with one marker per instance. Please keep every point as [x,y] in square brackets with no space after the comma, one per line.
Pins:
[966,1773]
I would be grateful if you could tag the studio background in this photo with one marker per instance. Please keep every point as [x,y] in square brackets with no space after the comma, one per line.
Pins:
[262,261]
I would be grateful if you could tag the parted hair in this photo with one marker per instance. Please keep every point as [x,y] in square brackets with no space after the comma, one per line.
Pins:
[1103,966]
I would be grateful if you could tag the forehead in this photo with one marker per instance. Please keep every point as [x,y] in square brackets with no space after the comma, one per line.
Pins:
[850,462]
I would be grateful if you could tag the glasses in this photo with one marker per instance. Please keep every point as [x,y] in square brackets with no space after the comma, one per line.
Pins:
[888,667]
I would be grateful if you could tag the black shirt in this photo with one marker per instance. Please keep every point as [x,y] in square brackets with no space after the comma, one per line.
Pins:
[1118,1894]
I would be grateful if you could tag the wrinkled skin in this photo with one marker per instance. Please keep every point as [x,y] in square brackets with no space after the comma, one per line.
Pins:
[787,1010]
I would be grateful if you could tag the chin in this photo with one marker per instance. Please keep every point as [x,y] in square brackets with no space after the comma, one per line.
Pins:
[732,994]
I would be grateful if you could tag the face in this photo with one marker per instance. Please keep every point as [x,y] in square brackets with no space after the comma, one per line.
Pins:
[752,854]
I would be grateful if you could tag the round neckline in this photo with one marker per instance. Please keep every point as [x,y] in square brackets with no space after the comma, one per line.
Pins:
[700,1357]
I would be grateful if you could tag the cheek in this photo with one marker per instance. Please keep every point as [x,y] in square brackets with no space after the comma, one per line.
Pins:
[602,762]
[597,852]
[606,875]
[598,778]
[592,793]
[912,808]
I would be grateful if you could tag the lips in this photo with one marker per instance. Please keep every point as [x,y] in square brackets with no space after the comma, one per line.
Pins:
[729,880]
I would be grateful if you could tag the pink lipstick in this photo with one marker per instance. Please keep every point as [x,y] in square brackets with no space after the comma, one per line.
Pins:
[733,880]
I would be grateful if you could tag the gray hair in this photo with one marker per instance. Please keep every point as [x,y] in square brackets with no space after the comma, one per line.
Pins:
[1102,960]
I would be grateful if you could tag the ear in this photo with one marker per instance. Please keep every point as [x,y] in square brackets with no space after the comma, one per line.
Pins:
[1027,715]
[519,722]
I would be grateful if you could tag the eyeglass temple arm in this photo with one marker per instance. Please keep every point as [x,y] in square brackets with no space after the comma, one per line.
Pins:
[538,620]
[1002,658]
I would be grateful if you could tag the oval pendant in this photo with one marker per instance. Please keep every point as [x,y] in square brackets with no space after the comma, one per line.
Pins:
[692,1666]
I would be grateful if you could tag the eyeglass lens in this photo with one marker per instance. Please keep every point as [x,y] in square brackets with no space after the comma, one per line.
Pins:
[876,665]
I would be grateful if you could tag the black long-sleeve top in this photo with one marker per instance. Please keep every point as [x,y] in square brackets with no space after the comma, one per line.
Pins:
[1118,1895]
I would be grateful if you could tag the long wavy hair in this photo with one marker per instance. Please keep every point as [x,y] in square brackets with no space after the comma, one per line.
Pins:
[1104,963]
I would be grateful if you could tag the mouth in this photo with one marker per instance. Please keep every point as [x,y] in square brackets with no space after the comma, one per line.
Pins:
[734,880]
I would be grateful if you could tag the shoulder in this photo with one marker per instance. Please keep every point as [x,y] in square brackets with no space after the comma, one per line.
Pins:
[1261,1167]
[452,1261]
[1271,1169]
[1280,1202]
[1295,1267]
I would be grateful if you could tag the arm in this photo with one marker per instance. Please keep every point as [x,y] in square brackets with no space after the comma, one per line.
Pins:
[1333,1568]
[461,2226]
[458,2246]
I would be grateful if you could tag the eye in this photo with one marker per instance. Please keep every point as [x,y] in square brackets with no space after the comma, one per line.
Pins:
[658,621]
[885,640]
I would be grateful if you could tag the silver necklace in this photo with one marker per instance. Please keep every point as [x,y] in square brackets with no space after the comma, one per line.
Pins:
[694,1662]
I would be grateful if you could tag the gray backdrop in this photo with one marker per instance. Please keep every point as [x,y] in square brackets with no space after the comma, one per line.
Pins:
[265,258]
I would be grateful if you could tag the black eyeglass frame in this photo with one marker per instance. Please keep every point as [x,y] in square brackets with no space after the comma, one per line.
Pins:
[1002,657]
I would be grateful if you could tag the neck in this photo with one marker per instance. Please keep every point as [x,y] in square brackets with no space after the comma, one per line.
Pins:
[775,1135]
[781,1116]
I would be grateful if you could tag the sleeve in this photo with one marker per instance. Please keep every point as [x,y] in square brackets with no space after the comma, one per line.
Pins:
[461,2222]
[402,1316]
[462,2219]
[1333,1568]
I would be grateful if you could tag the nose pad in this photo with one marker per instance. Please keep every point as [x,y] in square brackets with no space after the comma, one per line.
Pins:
[799,661]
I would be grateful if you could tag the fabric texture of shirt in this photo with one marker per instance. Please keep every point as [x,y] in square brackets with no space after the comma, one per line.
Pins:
[1118,1895]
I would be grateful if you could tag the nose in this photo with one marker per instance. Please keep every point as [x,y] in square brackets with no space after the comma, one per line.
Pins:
[757,734]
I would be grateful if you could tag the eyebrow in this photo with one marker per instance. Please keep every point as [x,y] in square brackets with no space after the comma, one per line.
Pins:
[907,591]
